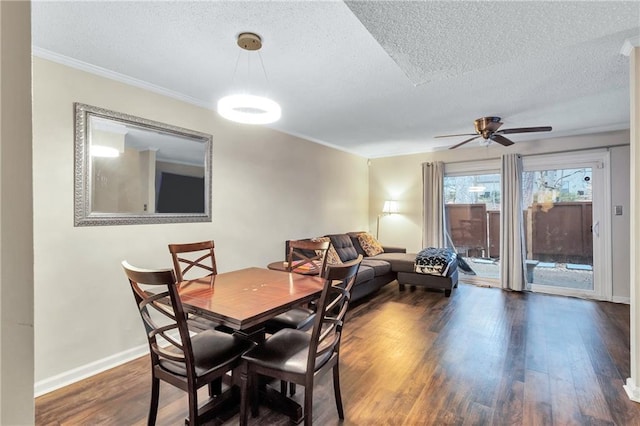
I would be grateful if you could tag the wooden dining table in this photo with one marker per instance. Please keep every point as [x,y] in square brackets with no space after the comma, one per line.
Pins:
[244,299]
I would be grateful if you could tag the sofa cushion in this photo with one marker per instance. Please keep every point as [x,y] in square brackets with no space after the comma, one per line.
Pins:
[369,244]
[380,267]
[400,262]
[365,273]
[343,245]
[332,255]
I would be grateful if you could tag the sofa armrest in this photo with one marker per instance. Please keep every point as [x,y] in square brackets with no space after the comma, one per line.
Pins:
[394,249]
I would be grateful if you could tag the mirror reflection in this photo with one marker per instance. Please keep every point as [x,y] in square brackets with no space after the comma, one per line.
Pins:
[135,170]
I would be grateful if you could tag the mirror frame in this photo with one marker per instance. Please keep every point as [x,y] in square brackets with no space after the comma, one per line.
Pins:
[83,216]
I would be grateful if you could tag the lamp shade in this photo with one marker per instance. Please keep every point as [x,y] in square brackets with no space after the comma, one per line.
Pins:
[390,207]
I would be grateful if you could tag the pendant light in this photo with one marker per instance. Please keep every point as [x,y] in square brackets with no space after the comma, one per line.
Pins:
[244,107]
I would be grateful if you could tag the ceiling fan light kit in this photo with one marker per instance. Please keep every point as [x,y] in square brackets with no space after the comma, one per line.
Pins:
[246,108]
[487,129]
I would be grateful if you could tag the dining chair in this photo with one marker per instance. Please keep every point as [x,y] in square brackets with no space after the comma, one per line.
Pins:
[302,256]
[192,261]
[308,255]
[184,361]
[305,256]
[299,357]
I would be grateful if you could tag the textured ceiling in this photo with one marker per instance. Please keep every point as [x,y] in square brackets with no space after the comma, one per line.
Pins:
[374,78]
[433,41]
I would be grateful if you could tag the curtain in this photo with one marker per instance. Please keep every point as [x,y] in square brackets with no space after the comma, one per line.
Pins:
[512,248]
[433,204]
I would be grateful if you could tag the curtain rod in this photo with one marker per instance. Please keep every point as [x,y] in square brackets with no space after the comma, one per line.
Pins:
[607,147]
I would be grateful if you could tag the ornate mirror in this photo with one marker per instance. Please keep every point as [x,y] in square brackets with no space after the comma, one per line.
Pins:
[130,170]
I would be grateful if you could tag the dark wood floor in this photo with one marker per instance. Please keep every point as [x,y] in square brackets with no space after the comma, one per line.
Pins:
[482,357]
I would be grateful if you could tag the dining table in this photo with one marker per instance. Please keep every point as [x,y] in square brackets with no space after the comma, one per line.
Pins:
[243,300]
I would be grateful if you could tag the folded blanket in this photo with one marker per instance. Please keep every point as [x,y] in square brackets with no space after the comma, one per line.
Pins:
[435,261]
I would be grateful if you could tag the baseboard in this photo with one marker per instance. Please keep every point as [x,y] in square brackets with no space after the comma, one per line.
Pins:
[618,299]
[68,377]
[632,390]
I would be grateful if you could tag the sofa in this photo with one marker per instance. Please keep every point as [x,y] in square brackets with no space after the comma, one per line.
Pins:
[394,263]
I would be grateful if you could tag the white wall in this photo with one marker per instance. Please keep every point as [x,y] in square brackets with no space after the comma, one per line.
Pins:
[620,225]
[267,187]
[632,386]
[400,178]
[16,228]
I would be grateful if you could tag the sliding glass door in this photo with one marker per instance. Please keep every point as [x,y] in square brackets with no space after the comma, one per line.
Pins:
[565,215]
[472,214]
[565,224]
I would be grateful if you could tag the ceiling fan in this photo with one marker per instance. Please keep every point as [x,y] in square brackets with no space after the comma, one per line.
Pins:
[487,128]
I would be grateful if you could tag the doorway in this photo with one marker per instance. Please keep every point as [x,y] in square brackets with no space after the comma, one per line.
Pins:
[566,221]
[472,216]
[566,225]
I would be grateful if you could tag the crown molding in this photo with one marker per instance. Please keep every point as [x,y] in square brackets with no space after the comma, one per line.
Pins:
[629,44]
[112,75]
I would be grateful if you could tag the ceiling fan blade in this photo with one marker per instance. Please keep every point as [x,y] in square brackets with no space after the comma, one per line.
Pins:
[525,130]
[501,140]
[463,142]
[463,134]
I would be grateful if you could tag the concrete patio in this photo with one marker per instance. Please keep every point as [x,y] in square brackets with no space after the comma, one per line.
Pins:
[556,274]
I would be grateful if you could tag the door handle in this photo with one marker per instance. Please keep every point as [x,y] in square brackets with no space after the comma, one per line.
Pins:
[595,228]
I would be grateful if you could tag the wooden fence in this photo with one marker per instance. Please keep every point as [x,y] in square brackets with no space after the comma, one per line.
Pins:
[558,232]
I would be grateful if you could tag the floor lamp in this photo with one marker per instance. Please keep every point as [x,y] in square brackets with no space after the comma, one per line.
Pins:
[390,207]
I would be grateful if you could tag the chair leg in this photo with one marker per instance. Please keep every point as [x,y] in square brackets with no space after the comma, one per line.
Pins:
[336,391]
[244,395]
[283,388]
[308,404]
[255,395]
[193,408]
[215,387]
[153,405]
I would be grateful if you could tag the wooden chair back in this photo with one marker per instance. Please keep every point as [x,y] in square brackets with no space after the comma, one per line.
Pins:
[193,260]
[307,256]
[156,295]
[279,355]
[330,314]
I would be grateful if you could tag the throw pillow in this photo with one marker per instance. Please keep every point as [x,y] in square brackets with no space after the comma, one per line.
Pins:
[344,247]
[369,244]
[332,254]
[356,243]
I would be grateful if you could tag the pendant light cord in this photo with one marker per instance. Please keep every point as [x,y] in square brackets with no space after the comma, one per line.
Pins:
[264,71]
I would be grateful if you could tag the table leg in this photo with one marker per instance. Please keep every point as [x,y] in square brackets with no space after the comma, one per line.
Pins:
[256,334]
